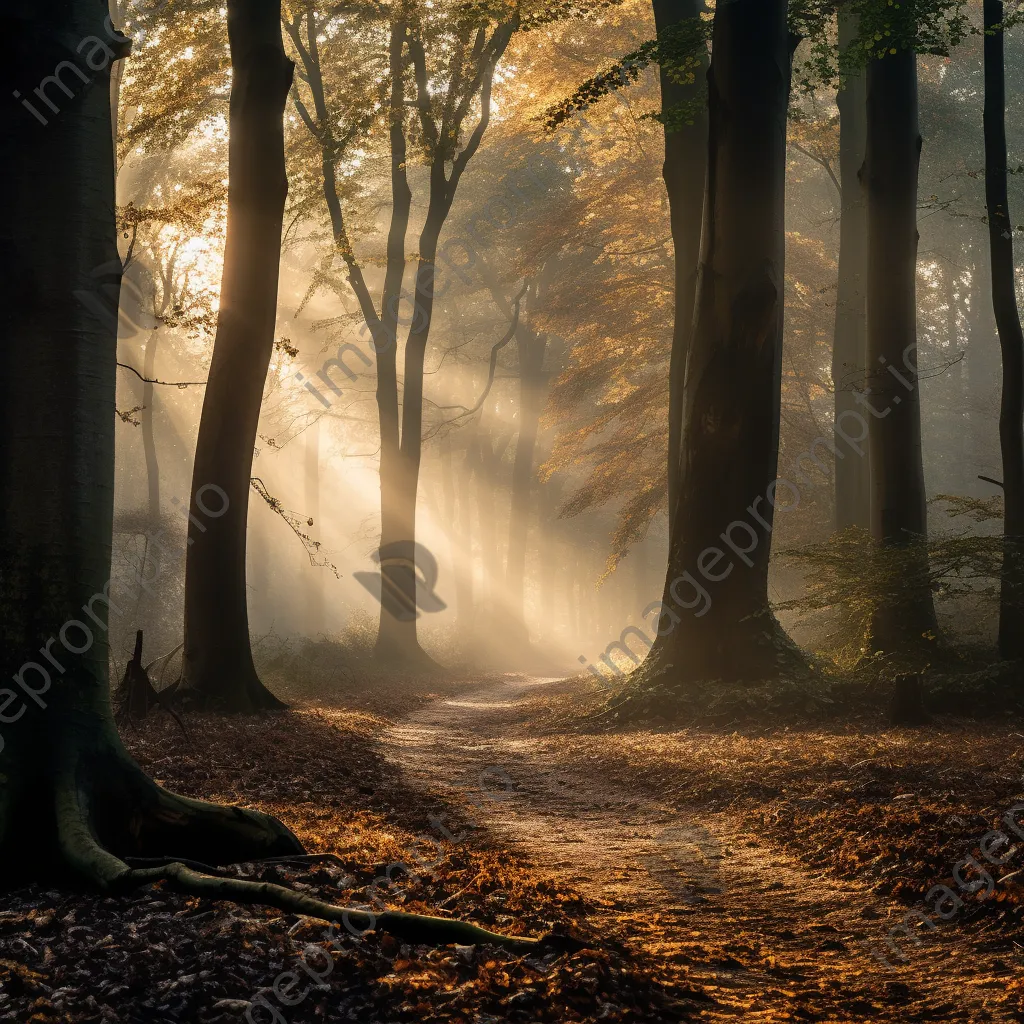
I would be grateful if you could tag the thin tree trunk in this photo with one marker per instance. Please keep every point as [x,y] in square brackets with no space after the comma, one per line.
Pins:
[983,360]
[149,434]
[401,423]
[148,605]
[218,666]
[892,407]
[685,174]
[960,398]
[731,413]
[1011,338]
[317,622]
[548,611]
[464,548]
[849,350]
[396,636]
[530,347]
[450,522]
[490,558]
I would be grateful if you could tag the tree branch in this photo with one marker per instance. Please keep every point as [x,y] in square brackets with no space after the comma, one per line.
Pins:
[168,383]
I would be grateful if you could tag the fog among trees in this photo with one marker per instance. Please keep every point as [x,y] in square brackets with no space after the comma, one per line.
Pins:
[581,439]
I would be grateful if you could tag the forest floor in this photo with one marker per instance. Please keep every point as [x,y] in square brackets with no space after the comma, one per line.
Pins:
[771,864]
[717,874]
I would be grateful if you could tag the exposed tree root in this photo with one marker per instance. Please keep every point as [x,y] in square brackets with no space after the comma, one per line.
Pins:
[113,825]
[414,928]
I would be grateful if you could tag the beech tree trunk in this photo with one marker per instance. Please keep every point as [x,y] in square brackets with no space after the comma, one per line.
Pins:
[217,664]
[892,406]
[685,174]
[731,412]
[1011,338]
[72,801]
[849,349]
[401,422]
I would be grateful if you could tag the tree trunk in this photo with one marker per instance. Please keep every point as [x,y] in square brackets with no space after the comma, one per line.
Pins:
[530,347]
[396,636]
[316,623]
[490,558]
[531,396]
[218,667]
[1011,338]
[118,10]
[466,610]
[149,434]
[549,612]
[961,476]
[983,359]
[685,174]
[892,406]
[720,624]
[849,350]
[72,802]
[401,422]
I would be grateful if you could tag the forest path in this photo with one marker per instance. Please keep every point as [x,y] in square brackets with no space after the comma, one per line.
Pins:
[763,936]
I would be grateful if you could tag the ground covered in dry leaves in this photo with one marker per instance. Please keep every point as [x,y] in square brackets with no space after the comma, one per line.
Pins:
[896,810]
[887,813]
[157,956]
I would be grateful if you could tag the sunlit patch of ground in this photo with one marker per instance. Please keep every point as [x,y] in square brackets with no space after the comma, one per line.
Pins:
[897,811]
[158,957]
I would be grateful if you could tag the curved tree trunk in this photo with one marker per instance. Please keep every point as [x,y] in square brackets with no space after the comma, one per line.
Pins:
[717,622]
[217,662]
[849,349]
[72,801]
[1011,338]
[401,421]
[892,406]
[685,174]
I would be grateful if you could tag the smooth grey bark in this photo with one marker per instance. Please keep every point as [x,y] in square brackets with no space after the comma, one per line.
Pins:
[685,174]
[733,375]
[217,666]
[72,801]
[1011,337]
[849,350]
[892,406]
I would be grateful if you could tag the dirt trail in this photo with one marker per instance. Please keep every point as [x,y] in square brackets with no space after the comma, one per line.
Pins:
[766,938]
